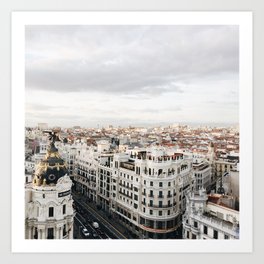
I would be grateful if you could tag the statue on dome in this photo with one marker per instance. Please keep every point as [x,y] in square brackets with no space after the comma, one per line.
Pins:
[53,135]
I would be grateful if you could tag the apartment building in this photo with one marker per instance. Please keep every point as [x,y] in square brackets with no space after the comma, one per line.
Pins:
[210,217]
[142,188]
[202,170]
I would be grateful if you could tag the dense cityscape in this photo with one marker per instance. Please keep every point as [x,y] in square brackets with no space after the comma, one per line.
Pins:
[131,131]
[163,182]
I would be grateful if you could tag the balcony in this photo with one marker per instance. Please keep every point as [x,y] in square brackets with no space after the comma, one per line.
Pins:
[187,226]
[158,206]
[127,195]
[195,230]
[217,224]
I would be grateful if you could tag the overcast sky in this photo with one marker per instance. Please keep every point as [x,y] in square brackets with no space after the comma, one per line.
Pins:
[131,75]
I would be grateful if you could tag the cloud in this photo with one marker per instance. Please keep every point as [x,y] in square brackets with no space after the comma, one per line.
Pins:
[131,74]
[127,60]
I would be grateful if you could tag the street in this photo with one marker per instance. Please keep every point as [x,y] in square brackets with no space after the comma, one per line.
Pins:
[86,215]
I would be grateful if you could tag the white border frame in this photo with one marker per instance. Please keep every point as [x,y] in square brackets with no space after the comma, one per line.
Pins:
[243,19]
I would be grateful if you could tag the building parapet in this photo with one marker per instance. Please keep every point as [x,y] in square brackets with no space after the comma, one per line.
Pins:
[217,224]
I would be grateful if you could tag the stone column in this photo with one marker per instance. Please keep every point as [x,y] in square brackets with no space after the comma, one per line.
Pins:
[43,233]
[155,224]
[61,233]
[29,234]
[70,236]
[57,235]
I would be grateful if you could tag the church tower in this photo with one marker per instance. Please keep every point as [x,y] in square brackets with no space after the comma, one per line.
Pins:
[48,202]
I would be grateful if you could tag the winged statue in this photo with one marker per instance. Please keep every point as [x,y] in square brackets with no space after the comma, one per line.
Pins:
[53,135]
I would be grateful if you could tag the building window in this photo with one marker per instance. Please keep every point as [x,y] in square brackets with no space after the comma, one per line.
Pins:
[50,233]
[36,233]
[193,236]
[150,202]
[151,183]
[135,206]
[150,212]
[160,194]
[169,184]
[205,230]
[51,211]
[160,184]
[168,212]
[151,193]
[144,182]
[215,234]
[160,213]
[226,237]
[160,204]
[144,209]
[64,230]
[195,224]
[64,209]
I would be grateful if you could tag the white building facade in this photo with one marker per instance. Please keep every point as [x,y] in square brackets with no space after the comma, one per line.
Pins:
[142,188]
[48,201]
[202,170]
[210,217]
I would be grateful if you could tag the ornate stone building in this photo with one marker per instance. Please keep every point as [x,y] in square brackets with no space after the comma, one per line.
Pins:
[210,217]
[48,201]
[142,188]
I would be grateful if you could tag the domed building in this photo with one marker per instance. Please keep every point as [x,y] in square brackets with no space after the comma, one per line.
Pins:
[48,201]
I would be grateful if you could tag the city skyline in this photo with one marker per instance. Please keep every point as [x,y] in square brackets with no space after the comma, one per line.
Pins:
[131,75]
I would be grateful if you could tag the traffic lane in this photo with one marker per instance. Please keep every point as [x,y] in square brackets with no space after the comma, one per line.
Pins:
[88,219]
[110,230]
[80,225]
[88,226]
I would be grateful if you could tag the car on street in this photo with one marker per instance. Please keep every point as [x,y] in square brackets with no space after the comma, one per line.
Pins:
[95,225]
[85,232]
[95,235]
